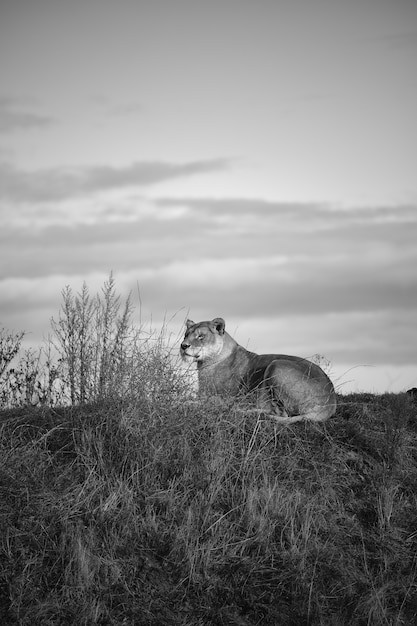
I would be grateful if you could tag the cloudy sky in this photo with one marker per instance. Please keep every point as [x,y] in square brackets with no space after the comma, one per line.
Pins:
[254,160]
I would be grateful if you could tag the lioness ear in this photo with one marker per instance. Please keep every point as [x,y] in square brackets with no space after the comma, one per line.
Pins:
[189,323]
[220,325]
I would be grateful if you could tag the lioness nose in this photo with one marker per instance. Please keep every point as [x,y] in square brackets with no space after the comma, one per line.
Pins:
[184,345]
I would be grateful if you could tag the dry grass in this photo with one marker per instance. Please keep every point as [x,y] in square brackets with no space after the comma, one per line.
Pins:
[154,511]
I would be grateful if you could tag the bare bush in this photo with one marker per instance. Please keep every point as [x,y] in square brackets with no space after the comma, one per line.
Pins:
[95,352]
[102,354]
[9,348]
[93,339]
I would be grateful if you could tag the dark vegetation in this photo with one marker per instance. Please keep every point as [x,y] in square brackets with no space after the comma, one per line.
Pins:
[141,508]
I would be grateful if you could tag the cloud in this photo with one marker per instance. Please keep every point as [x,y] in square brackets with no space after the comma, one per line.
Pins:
[126,109]
[275,286]
[301,279]
[13,116]
[54,184]
[260,209]
[261,320]
[332,258]
[174,269]
[406,40]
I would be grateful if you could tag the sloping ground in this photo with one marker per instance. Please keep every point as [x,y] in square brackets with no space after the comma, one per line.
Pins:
[165,513]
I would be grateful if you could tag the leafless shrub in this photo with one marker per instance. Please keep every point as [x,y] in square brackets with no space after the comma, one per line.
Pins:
[94,339]
[95,352]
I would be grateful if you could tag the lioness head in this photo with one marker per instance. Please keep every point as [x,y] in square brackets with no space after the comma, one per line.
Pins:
[203,341]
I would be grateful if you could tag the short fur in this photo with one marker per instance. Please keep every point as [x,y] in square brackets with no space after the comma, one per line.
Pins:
[289,387]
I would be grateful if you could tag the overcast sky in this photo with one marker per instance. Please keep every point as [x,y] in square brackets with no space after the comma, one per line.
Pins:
[254,160]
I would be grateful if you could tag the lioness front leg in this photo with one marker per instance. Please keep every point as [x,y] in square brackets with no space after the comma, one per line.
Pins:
[268,403]
[277,399]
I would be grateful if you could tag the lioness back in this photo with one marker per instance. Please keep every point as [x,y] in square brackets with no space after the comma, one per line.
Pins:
[290,388]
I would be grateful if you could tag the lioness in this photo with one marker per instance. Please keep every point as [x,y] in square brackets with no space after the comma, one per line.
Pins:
[289,387]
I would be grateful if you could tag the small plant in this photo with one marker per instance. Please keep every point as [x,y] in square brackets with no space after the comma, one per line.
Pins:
[10,382]
[95,352]
[9,348]
[94,340]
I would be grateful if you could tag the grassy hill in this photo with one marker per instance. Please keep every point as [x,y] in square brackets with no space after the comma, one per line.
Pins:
[160,512]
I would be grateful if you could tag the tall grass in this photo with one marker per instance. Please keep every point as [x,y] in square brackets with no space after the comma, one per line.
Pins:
[95,340]
[95,351]
[163,512]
